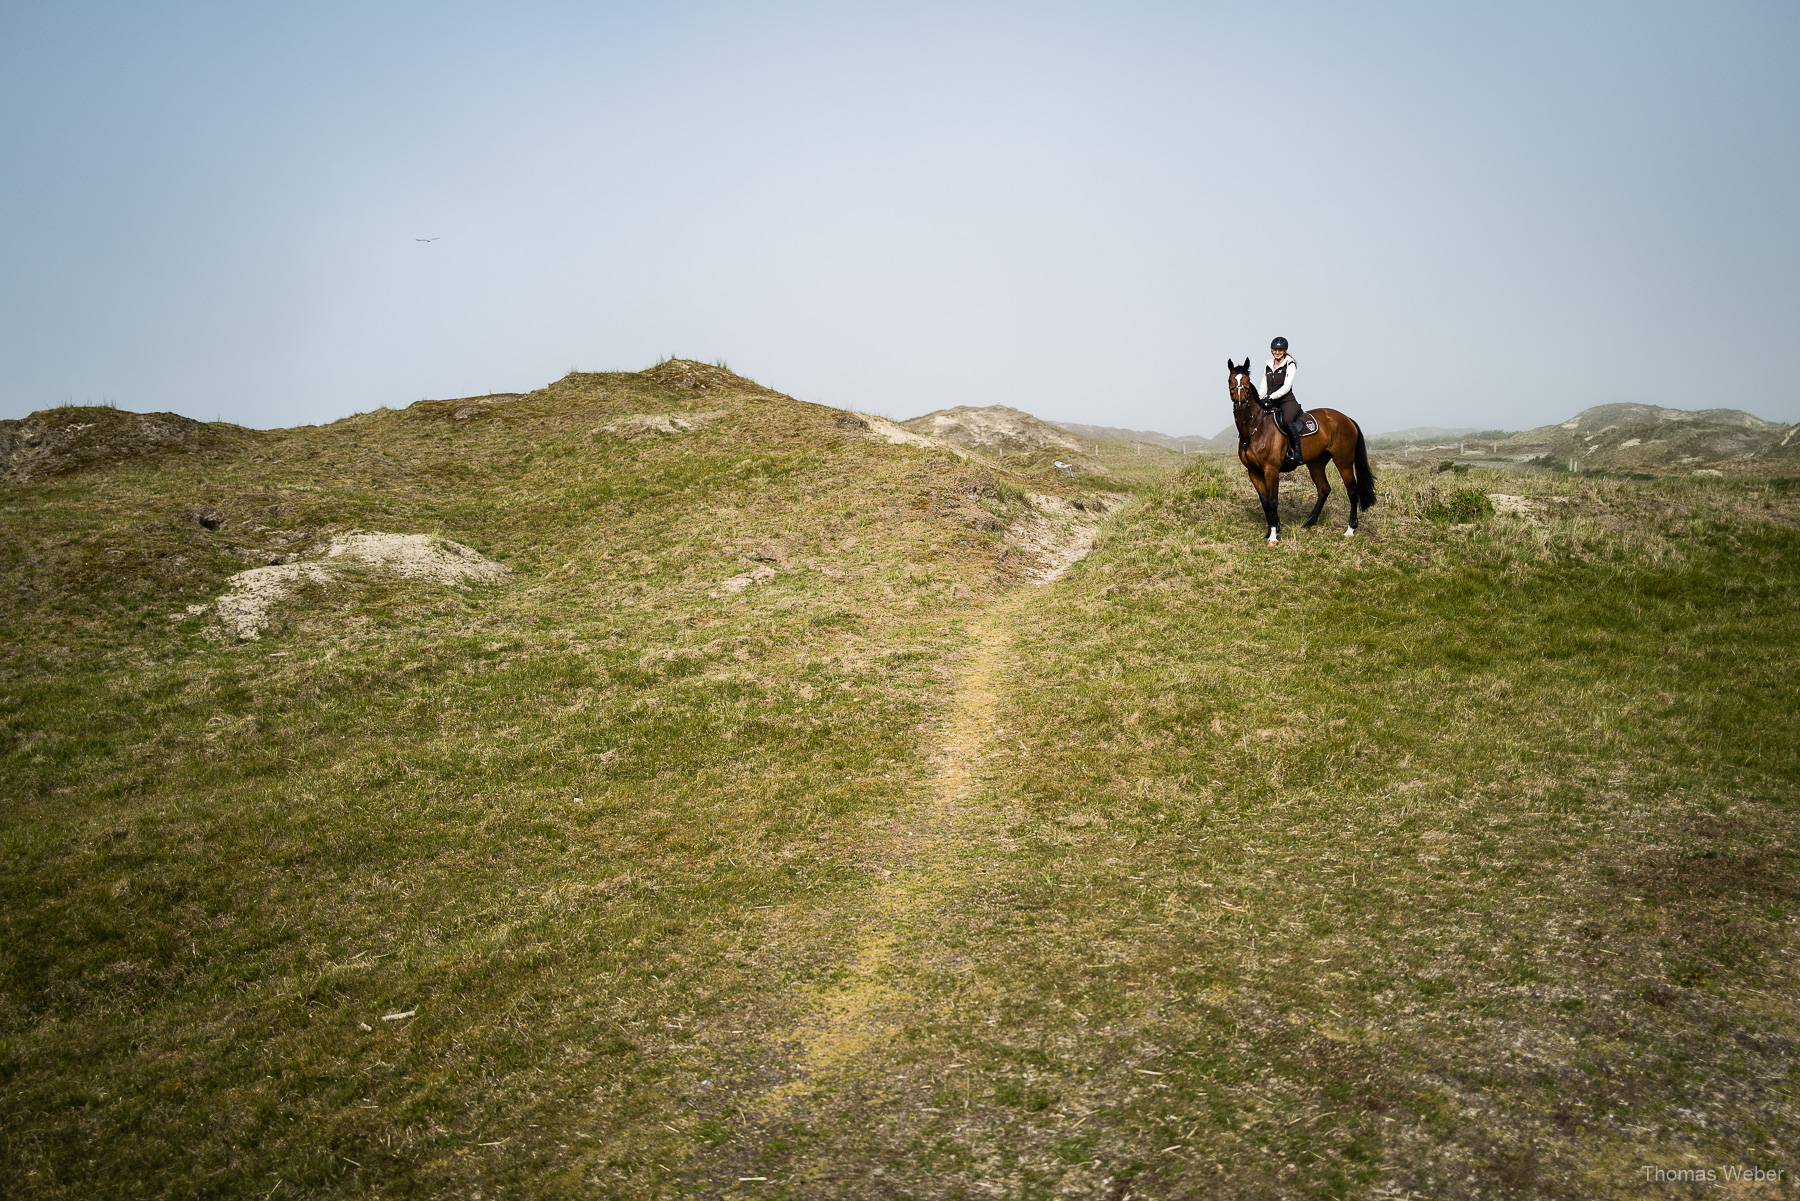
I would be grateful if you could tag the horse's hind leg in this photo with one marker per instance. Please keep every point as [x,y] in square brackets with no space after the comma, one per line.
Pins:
[1346,469]
[1324,487]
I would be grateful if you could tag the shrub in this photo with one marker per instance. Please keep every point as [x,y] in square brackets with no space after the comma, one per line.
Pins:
[1464,504]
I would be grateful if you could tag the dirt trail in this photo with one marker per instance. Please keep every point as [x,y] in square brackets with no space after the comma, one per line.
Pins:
[862,1011]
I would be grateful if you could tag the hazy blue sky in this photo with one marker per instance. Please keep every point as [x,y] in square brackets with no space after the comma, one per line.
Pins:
[1459,214]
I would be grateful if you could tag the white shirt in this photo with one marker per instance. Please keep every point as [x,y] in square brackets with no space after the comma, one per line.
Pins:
[1287,384]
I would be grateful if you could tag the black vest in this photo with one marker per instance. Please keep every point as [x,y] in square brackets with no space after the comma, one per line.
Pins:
[1277,377]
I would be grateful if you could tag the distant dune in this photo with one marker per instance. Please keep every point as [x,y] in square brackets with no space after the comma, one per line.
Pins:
[1186,443]
[1007,433]
[1649,438]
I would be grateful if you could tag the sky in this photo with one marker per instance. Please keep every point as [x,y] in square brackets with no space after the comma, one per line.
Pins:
[1459,215]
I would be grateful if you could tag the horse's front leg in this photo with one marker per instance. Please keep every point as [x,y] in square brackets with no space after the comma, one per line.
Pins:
[1269,490]
[1324,487]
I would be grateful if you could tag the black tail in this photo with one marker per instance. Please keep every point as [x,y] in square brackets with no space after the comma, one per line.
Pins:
[1365,479]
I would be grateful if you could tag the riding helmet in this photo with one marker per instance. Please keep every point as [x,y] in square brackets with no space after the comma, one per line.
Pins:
[1278,344]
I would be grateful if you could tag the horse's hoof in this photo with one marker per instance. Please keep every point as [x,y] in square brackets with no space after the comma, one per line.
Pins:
[1350,533]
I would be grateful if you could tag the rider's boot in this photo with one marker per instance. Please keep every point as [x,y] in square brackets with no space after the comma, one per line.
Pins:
[1293,452]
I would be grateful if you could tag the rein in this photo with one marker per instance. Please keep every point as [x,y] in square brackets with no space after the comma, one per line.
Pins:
[1245,401]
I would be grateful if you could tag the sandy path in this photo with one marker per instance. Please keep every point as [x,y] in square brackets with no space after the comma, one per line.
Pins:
[862,1011]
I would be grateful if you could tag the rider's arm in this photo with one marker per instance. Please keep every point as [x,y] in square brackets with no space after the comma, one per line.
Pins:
[1287,383]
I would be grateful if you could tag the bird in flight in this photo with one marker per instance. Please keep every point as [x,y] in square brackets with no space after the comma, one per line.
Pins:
[426,239]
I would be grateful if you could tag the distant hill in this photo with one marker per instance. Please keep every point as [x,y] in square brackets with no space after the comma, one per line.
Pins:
[1185,443]
[1005,432]
[1646,437]
[1425,437]
[1425,433]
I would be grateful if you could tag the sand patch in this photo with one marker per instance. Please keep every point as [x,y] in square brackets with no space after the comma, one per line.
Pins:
[420,557]
[1057,534]
[244,610]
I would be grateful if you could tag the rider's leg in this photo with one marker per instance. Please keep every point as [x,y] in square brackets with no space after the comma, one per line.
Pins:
[1290,421]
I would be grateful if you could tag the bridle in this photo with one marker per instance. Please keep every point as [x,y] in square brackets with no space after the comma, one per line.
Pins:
[1243,395]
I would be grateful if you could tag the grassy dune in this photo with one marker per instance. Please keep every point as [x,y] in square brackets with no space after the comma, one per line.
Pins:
[567,820]
[1451,859]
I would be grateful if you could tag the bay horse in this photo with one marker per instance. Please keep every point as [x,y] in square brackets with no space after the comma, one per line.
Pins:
[1262,445]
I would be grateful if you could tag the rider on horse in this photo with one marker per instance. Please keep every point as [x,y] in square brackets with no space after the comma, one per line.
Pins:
[1278,374]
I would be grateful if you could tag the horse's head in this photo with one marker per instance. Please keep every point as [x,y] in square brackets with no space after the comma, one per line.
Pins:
[1243,392]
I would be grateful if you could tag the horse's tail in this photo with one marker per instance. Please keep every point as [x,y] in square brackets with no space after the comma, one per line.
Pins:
[1365,478]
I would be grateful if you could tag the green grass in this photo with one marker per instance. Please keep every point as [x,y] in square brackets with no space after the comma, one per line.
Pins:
[1451,851]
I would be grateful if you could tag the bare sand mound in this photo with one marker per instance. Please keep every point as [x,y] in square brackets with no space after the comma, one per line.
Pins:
[419,557]
[244,610]
[57,441]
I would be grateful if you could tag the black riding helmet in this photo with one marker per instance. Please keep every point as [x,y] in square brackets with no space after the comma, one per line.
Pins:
[1278,344]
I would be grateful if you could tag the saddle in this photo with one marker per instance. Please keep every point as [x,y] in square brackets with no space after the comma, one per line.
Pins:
[1309,424]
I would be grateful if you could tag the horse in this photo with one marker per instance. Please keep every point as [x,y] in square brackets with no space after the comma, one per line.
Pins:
[1262,445]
